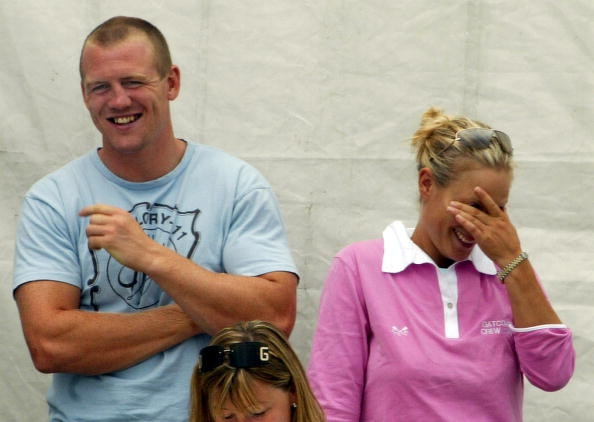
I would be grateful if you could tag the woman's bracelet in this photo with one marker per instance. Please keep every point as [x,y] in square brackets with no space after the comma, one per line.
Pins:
[504,272]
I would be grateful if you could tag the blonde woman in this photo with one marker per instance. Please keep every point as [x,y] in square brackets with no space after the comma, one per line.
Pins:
[443,321]
[249,372]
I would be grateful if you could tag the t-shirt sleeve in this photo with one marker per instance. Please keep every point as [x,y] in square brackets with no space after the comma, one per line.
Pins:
[256,242]
[44,245]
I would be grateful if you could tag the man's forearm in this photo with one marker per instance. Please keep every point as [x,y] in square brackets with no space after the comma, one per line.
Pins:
[213,300]
[216,300]
[63,339]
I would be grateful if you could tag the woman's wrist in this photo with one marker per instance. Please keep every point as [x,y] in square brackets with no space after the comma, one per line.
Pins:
[512,265]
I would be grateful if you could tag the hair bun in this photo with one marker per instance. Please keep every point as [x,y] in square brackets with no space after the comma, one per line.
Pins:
[432,120]
[431,116]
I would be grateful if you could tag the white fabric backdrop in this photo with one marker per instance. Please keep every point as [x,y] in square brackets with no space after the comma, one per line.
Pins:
[321,97]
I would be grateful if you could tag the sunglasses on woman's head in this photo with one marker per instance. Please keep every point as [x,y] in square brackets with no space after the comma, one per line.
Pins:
[481,138]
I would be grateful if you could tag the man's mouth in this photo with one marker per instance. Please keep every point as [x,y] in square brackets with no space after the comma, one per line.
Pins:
[464,238]
[124,120]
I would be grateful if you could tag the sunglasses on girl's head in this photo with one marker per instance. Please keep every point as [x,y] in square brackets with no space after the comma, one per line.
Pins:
[481,138]
[248,354]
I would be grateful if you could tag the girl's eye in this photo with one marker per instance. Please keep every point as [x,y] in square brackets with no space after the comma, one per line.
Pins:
[258,414]
[228,417]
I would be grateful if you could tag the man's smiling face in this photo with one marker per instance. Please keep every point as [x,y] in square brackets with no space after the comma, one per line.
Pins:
[126,97]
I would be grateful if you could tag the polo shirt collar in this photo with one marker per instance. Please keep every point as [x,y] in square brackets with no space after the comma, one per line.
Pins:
[400,251]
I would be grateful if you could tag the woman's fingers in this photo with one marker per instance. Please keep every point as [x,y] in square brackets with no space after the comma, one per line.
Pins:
[488,203]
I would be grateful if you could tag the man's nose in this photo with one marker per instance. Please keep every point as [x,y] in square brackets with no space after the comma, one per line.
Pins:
[119,97]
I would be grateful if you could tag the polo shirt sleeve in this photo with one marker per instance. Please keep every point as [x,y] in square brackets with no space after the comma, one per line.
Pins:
[546,355]
[340,349]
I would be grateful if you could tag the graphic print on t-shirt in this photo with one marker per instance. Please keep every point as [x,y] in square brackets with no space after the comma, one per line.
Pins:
[166,225]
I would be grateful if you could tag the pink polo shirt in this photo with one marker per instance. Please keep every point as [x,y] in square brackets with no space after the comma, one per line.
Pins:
[399,339]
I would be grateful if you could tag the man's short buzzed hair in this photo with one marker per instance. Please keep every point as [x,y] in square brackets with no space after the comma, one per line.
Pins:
[119,28]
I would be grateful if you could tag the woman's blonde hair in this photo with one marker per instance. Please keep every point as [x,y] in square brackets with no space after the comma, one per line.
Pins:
[436,149]
[210,390]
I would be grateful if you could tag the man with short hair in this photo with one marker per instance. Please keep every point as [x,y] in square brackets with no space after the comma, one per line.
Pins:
[130,257]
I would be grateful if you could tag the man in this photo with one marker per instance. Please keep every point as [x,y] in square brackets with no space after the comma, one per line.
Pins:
[130,257]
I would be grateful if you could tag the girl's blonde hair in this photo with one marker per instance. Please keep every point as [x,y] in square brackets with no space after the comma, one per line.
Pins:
[436,149]
[284,371]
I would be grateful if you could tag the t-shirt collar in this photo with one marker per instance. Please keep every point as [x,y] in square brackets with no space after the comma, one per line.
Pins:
[400,251]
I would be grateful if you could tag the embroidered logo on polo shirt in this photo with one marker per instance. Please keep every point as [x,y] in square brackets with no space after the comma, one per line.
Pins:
[494,327]
[400,331]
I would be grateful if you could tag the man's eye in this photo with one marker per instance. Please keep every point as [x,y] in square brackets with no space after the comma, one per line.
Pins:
[99,88]
[132,84]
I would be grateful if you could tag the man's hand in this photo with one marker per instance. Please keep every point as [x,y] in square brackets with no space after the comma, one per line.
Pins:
[116,231]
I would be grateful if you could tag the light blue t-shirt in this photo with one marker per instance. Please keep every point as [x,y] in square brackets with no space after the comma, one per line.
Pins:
[212,208]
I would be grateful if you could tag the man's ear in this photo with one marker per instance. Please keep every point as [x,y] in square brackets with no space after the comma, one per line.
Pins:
[426,183]
[173,82]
